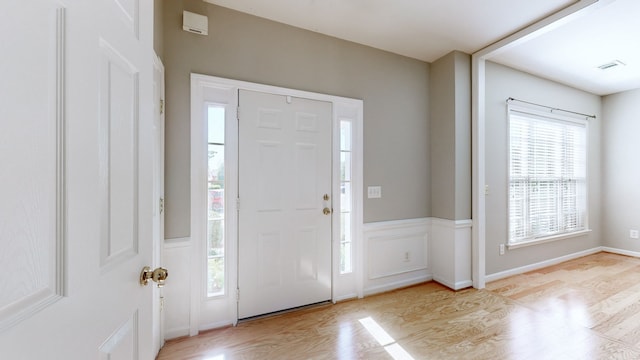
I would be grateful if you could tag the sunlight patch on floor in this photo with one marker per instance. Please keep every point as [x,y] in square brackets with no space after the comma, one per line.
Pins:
[390,345]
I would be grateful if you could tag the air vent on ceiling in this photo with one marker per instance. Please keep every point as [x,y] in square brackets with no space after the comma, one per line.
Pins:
[611,64]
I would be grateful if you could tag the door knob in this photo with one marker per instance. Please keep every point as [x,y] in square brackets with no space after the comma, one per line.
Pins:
[326,211]
[158,275]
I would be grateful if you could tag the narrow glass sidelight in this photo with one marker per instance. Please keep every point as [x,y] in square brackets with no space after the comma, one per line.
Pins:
[216,202]
[346,236]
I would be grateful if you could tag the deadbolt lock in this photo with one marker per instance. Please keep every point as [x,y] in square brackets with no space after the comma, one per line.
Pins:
[158,275]
[325,197]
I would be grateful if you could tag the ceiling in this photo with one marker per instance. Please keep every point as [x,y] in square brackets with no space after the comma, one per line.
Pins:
[428,29]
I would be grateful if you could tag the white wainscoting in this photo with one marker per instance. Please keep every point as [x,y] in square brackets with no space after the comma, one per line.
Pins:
[451,252]
[395,254]
[177,294]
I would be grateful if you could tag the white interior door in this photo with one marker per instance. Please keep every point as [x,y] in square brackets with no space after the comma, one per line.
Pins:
[75,149]
[284,174]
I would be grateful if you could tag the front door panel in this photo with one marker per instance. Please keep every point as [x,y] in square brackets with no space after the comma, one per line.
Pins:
[285,171]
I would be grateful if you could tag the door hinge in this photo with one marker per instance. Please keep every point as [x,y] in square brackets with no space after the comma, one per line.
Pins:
[161,106]
[238,295]
[161,205]
[238,113]
[238,204]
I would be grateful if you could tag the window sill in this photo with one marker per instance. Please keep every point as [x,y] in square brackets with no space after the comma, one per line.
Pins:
[547,239]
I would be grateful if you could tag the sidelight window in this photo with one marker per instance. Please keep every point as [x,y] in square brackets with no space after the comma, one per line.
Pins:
[346,200]
[216,202]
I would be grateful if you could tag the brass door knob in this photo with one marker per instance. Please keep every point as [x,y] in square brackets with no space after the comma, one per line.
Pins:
[326,211]
[158,275]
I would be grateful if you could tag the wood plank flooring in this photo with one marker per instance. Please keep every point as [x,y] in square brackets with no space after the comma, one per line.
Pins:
[587,308]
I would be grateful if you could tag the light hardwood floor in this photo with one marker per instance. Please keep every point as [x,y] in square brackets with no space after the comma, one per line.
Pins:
[587,308]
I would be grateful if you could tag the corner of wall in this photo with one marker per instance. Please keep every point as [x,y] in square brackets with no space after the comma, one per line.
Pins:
[450,244]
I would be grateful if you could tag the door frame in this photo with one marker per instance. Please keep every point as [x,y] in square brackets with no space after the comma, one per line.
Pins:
[207,313]
[158,197]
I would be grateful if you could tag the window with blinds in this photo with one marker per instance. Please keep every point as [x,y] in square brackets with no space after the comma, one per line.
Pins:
[547,176]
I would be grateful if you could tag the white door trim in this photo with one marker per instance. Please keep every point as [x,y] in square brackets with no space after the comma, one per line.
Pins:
[158,193]
[210,89]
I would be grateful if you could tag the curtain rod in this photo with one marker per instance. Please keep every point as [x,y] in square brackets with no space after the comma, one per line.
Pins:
[552,108]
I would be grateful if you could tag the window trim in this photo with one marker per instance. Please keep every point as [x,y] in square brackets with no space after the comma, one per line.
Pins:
[547,114]
[548,239]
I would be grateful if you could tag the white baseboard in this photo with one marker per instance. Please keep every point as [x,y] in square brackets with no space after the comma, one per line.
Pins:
[396,285]
[621,251]
[463,284]
[345,297]
[176,333]
[543,264]
[215,325]
[459,285]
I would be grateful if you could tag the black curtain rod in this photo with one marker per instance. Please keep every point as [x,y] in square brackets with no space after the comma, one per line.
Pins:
[551,108]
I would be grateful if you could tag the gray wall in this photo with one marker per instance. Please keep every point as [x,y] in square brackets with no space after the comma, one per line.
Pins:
[450,132]
[621,169]
[158,24]
[394,89]
[463,136]
[501,83]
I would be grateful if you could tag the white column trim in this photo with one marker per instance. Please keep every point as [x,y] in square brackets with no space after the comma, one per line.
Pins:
[478,60]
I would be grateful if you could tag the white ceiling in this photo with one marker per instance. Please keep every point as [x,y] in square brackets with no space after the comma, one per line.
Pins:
[429,29]
[572,53]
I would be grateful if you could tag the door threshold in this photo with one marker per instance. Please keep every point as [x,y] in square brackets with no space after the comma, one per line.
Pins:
[285,311]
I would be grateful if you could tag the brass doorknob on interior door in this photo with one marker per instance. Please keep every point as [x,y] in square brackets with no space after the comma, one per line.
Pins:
[158,275]
[326,211]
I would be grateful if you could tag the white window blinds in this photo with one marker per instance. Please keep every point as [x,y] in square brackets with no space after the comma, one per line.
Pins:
[547,176]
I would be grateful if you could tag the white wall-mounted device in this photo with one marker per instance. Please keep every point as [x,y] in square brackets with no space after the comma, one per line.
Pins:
[195,23]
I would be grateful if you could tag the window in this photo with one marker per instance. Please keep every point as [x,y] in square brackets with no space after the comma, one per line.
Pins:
[547,176]
[346,245]
[216,201]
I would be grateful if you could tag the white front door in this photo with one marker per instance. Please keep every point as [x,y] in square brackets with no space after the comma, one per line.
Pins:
[284,175]
[76,145]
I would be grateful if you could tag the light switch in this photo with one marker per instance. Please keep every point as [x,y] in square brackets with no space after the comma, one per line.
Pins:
[374,192]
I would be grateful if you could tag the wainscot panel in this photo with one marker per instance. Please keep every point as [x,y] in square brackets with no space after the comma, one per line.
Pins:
[177,292]
[395,254]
